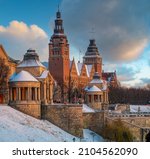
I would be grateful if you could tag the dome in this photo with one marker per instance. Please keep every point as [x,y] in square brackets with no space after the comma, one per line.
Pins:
[31,59]
[94,89]
[23,76]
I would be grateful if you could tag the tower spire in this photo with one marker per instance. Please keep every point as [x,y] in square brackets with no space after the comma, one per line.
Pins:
[58,23]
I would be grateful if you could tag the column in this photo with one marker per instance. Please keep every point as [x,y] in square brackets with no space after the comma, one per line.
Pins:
[98,98]
[51,93]
[92,100]
[44,90]
[19,93]
[47,92]
[35,93]
[39,98]
[29,94]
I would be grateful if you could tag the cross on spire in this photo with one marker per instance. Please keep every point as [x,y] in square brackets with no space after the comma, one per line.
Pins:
[58,7]
[92,32]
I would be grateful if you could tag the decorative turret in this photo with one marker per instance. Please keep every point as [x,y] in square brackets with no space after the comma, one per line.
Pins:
[31,54]
[92,57]
[92,49]
[30,62]
[58,24]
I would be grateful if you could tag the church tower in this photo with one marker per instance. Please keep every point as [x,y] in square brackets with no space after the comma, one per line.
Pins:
[59,54]
[92,56]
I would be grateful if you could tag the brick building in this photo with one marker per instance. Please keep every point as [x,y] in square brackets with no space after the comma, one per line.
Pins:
[67,72]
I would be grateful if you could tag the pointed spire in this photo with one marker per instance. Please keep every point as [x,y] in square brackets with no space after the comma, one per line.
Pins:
[73,58]
[58,14]
[58,23]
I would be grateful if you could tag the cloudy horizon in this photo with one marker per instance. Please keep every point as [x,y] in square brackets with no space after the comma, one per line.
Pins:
[121,29]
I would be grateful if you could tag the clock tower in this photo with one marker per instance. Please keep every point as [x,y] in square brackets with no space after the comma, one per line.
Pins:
[59,55]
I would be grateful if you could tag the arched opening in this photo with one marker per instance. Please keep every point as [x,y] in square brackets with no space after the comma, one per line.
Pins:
[147,137]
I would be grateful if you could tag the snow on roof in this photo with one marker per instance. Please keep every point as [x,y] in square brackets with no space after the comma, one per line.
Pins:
[86,88]
[139,108]
[30,63]
[44,74]
[87,71]
[89,67]
[22,76]
[97,81]
[79,66]
[94,89]
[87,109]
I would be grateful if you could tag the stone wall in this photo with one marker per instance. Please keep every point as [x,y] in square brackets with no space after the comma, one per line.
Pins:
[94,121]
[135,125]
[30,108]
[68,117]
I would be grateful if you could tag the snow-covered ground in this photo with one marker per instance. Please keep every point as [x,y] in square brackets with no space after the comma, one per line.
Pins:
[140,108]
[87,109]
[19,127]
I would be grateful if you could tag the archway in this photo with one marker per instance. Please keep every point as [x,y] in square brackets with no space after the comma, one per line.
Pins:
[147,137]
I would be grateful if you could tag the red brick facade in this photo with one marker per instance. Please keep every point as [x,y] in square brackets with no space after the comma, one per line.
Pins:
[67,72]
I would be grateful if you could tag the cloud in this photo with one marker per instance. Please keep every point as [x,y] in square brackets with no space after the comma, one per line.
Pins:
[145,80]
[17,37]
[126,73]
[121,27]
[149,62]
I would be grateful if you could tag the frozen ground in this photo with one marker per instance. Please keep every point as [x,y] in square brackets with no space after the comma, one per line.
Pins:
[16,126]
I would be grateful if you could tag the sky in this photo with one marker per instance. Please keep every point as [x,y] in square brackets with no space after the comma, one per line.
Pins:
[121,29]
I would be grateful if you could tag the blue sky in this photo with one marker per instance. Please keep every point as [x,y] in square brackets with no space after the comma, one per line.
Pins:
[122,32]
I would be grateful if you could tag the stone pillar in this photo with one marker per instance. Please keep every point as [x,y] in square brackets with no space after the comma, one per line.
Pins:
[28,98]
[98,98]
[47,92]
[92,98]
[35,93]
[39,98]
[51,93]
[87,99]
[19,93]
[44,91]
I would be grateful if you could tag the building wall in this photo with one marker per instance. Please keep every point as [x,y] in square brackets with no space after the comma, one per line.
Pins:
[94,121]
[31,108]
[67,117]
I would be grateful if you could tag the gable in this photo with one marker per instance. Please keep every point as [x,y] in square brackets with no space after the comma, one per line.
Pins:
[73,70]
[3,53]
[83,71]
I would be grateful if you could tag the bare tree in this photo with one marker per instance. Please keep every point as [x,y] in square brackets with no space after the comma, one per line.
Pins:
[4,76]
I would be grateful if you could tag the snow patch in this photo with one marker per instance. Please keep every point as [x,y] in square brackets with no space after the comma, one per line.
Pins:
[18,127]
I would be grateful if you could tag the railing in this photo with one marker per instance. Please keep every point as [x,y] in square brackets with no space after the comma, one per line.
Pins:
[129,115]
